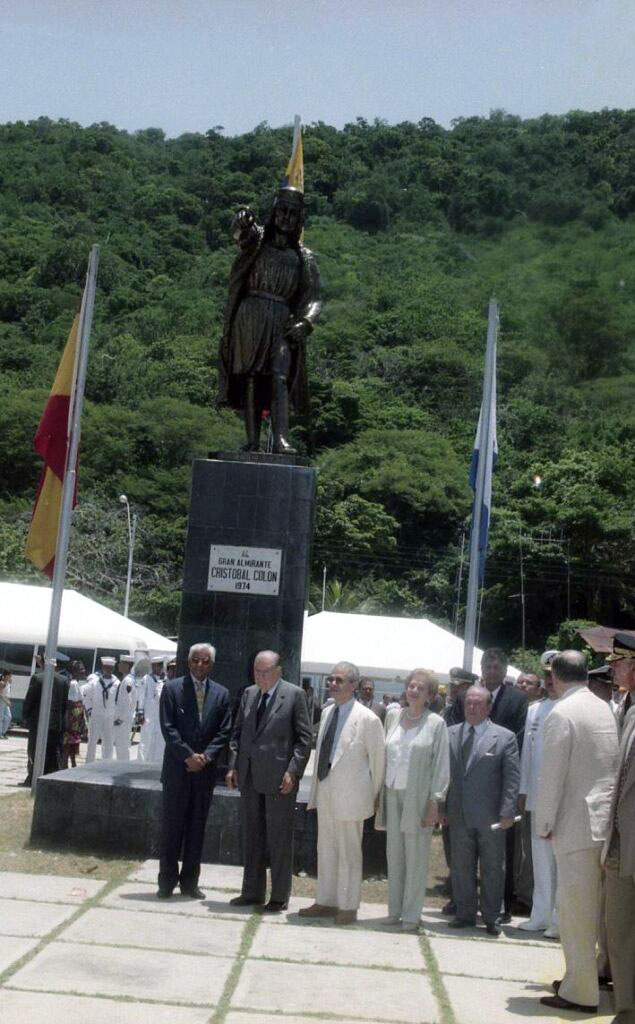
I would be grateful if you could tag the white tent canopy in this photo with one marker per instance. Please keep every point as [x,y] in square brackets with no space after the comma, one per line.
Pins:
[24,619]
[382,647]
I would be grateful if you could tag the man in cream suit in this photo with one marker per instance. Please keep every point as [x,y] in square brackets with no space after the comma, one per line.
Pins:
[619,850]
[577,773]
[348,775]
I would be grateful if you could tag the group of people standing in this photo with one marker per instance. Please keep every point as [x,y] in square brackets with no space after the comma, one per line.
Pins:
[415,769]
[102,709]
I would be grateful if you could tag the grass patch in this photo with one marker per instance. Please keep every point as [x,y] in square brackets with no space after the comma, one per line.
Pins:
[17,853]
[436,982]
[246,941]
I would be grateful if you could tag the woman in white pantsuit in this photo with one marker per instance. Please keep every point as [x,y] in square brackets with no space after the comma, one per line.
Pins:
[416,781]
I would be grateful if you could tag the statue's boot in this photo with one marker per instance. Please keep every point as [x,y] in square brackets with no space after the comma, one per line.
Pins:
[252,417]
[280,416]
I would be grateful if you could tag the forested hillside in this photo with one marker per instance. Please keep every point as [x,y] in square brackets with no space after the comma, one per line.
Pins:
[414,227]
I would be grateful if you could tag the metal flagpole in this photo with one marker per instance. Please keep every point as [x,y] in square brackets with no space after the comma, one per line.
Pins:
[485,443]
[63,532]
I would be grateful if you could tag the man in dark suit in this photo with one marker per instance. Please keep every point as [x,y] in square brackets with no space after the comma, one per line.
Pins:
[269,750]
[484,780]
[195,717]
[509,709]
[31,714]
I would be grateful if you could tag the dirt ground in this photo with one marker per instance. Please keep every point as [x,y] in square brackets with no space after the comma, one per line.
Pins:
[17,854]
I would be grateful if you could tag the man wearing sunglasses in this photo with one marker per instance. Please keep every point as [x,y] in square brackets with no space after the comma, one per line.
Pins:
[349,771]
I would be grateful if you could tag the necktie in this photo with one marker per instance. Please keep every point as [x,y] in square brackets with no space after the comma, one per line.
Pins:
[200,697]
[324,763]
[468,745]
[260,713]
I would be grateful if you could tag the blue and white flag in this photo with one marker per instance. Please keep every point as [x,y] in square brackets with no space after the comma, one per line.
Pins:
[490,457]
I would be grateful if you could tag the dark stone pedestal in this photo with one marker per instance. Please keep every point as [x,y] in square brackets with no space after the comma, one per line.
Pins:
[115,807]
[244,502]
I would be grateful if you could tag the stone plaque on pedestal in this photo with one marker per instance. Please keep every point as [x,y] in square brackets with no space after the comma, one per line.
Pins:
[247,562]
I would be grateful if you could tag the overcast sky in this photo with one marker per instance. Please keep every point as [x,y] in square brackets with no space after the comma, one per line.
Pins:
[186,65]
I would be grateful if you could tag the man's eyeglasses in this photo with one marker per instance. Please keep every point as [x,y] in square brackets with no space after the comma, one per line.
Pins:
[200,661]
[336,679]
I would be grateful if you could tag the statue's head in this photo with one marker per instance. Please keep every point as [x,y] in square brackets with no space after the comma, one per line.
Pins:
[287,216]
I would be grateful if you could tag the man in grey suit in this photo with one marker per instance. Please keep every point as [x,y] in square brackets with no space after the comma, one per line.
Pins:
[484,780]
[269,750]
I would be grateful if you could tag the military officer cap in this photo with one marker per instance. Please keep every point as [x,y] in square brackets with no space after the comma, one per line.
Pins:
[462,675]
[547,658]
[601,674]
[623,647]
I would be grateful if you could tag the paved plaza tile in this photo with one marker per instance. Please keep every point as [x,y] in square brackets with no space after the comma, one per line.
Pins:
[481,960]
[307,944]
[28,918]
[369,995]
[140,896]
[213,876]
[483,1001]
[156,931]
[435,923]
[129,958]
[48,888]
[13,949]
[49,1008]
[12,764]
[369,915]
[242,1017]
[166,977]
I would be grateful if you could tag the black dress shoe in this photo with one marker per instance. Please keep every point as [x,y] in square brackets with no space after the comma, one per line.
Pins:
[458,922]
[504,918]
[449,908]
[558,1003]
[605,982]
[164,894]
[492,929]
[193,892]
[245,901]
[275,906]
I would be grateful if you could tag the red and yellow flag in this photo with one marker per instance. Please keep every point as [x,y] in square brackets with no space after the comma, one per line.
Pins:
[51,442]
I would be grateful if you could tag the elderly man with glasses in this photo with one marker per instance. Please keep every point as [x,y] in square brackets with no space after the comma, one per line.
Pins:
[349,771]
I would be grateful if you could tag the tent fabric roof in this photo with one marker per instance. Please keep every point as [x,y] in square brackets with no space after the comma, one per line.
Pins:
[380,646]
[24,619]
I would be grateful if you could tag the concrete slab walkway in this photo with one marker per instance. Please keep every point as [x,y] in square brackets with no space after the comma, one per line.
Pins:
[75,950]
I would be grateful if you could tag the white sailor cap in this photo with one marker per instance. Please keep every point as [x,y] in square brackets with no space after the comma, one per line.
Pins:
[108,661]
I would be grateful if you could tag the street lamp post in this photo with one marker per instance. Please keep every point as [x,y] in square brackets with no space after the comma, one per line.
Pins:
[132,529]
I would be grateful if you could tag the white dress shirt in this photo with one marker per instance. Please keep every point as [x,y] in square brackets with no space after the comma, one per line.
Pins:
[398,750]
